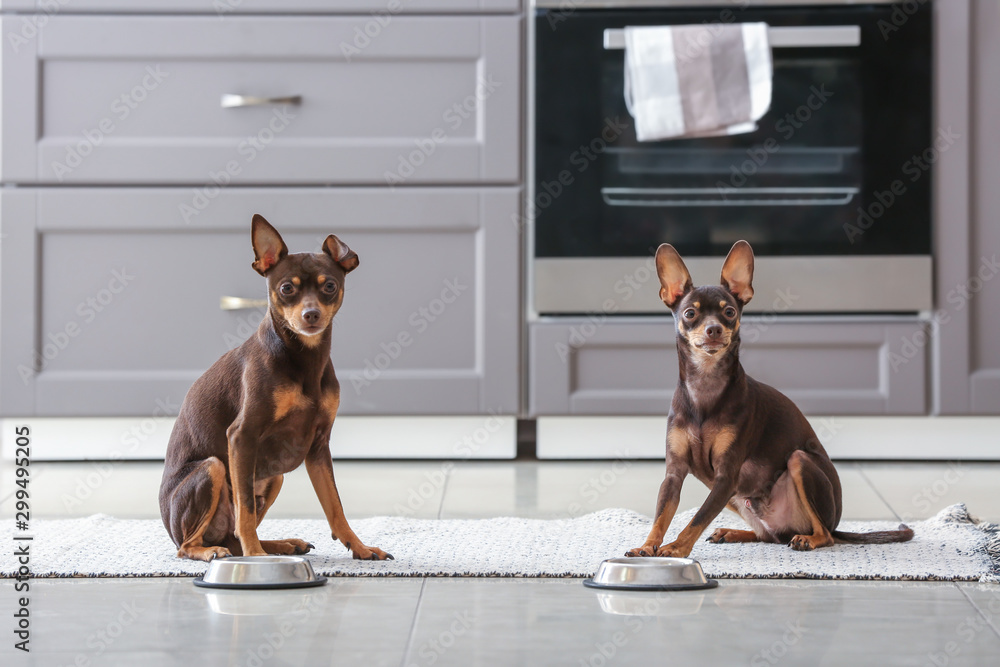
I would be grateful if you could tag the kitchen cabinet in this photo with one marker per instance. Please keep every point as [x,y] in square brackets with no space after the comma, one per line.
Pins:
[262,100]
[138,139]
[379,10]
[111,300]
[966,352]
[628,366]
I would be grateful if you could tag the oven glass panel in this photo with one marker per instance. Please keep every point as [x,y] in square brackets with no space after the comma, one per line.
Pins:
[817,177]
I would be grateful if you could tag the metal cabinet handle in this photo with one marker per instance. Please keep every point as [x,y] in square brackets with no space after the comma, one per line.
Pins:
[239,303]
[778,37]
[232,101]
[712,197]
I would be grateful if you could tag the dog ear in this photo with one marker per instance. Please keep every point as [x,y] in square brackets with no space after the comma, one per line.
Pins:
[675,280]
[737,272]
[268,248]
[341,254]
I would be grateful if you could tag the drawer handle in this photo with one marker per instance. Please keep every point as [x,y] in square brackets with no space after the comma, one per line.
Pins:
[239,303]
[232,101]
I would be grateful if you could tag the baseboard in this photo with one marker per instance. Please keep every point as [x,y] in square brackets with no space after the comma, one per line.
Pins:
[902,438]
[495,437]
[136,438]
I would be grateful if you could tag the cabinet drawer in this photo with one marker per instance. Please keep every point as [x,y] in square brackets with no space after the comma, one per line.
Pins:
[600,366]
[125,313]
[384,8]
[143,100]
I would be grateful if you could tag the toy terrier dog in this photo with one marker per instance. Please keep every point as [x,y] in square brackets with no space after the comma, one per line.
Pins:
[746,441]
[260,411]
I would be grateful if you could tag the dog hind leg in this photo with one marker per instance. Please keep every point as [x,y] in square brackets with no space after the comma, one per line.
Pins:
[194,504]
[814,492]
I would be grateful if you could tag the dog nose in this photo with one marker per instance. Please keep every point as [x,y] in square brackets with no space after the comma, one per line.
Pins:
[311,315]
[713,331]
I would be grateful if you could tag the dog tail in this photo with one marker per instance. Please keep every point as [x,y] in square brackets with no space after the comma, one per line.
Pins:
[904,534]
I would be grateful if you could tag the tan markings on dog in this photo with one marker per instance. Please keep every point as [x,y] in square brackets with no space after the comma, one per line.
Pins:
[320,279]
[736,327]
[310,341]
[330,403]
[289,314]
[723,441]
[287,399]
[678,441]
[296,281]
[697,304]
[722,304]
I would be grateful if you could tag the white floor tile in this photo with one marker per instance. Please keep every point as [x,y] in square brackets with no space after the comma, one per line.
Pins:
[921,490]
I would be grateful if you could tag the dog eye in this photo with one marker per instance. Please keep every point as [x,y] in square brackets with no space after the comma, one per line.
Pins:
[330,287]
[689,313]
[287,289]
[730,312]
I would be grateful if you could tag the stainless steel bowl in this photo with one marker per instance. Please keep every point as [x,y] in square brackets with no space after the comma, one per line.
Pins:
[255,572]
[650,574]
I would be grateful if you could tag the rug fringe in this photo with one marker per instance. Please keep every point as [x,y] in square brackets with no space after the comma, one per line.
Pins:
[959,513]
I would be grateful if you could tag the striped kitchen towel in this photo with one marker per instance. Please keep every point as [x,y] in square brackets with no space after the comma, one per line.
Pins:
[697,80]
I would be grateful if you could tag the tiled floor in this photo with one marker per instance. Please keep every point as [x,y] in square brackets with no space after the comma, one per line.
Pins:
[507,621]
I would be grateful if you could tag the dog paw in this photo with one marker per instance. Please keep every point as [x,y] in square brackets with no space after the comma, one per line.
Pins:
[371,553]
[301,546]
[645,551]
[207,554]
[673,550]
[290,547]
[718,537]
[801,543]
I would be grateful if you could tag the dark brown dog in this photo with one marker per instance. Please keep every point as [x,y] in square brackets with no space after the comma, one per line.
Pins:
[745,440]
[260,411]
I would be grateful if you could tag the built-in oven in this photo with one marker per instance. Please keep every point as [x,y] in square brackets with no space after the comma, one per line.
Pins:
[832,190]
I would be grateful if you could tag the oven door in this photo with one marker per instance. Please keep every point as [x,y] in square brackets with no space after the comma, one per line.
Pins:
[832,190]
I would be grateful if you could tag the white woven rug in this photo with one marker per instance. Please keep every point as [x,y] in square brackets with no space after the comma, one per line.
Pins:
[950,546]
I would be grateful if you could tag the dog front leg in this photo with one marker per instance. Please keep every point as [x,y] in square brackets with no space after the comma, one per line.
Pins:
[242,472]
[666,506]
[319,465]
[723,487]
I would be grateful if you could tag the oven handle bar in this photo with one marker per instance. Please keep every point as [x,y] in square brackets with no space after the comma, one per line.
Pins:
[666,196]
[778,37]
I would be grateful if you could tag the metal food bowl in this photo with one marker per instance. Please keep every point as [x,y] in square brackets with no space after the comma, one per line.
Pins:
[257,572]
[650,574]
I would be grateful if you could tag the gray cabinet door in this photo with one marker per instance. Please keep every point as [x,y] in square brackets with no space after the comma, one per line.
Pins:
[111,298]
[603,366]
[967,206]
[262,100]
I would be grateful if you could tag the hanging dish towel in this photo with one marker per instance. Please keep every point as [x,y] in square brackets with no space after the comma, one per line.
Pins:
[697,80]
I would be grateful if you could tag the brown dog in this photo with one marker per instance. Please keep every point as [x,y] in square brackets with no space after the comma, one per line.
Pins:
[745,440]
[260,411]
